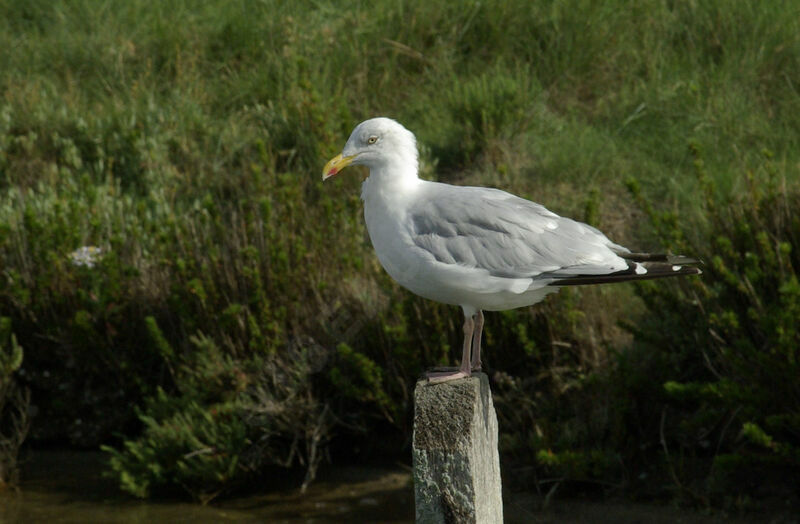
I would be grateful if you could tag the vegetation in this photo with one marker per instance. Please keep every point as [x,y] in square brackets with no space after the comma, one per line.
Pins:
[14,401]
[189,295]
[740,404]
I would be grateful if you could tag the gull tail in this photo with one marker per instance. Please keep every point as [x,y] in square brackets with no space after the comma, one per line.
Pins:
[641,266]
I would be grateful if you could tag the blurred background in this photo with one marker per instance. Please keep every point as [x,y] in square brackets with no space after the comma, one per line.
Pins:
[183,298]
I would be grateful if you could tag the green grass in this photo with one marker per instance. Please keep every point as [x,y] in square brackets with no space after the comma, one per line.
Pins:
[186,140]
[643,81]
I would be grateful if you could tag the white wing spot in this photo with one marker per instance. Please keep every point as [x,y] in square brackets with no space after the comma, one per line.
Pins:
[676,268]
[640,269]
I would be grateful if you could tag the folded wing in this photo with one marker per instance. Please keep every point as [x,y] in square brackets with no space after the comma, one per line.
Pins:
[514,238]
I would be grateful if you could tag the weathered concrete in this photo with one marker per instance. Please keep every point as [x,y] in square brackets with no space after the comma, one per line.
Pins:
[456,464]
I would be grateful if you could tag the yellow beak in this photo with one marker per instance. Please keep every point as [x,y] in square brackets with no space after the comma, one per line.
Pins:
[335,165]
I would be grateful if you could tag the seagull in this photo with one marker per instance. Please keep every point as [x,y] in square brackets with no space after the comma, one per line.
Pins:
[479,248]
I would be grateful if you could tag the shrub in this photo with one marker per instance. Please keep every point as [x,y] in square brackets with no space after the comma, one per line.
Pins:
[14,402]
[226,420]
[728,341]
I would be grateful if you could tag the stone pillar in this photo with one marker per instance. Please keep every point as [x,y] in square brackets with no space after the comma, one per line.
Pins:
[456,463]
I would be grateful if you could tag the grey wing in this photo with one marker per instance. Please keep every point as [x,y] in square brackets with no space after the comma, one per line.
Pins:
[506,235]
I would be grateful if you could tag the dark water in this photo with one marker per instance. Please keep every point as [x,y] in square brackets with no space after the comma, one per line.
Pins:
[68,487]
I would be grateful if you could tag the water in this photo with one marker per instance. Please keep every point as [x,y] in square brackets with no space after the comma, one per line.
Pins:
[66,487]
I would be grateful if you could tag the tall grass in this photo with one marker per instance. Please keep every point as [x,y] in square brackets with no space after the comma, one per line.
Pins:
[185,141]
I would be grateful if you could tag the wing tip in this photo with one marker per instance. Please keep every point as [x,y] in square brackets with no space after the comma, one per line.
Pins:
[635,271]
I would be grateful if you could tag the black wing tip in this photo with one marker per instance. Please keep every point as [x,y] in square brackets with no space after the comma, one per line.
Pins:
[652,271]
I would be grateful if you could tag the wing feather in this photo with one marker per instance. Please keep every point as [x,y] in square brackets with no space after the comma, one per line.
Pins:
[506,235]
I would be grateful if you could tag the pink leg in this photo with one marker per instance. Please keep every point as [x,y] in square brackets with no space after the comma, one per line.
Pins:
[476,341]
[464,369]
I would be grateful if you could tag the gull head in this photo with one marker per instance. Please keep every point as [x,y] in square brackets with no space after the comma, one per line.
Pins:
[381,144]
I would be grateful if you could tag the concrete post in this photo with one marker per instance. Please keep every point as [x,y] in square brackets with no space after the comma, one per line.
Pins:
[456,463]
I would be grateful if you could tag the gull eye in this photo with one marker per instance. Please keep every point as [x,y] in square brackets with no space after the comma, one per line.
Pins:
[371,140]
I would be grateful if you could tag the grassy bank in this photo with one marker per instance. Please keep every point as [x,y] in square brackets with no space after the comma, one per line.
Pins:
[236,301]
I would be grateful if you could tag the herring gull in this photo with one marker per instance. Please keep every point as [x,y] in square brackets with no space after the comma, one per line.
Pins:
[476,247]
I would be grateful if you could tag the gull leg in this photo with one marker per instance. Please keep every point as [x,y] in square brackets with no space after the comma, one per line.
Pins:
[464,369]
[476,341]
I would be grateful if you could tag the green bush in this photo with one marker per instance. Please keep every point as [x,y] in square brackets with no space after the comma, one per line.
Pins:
[559,397]
[224,422]
[14,403]
[728,341]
